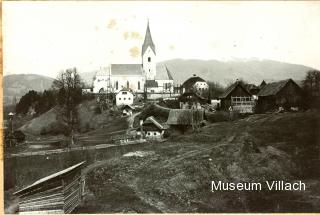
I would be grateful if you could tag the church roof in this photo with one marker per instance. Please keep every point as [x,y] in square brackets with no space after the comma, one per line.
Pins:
[126,69]
[163,73]
[148,41]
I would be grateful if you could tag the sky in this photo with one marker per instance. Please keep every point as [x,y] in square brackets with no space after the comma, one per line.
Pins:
[47,37]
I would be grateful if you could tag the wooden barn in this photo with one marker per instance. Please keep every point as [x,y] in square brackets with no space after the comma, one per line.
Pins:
[285,94]
[184,118]
[238,98]
[191,100]
[59,193]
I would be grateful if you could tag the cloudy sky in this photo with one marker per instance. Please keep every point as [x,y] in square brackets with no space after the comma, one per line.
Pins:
[46,37]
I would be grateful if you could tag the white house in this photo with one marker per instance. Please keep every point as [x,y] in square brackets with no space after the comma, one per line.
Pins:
[124,97]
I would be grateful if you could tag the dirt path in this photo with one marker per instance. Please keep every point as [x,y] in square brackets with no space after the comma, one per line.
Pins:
[130,119]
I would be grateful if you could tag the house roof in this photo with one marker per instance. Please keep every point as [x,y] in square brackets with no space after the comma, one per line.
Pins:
[148,41]
[185,95]
[126,69]
[163,73]
[152,120]
[231,88]
[184,116]
[50,177]
[151,83]
[274,87]
[251,87]
[128,107]
[191,81]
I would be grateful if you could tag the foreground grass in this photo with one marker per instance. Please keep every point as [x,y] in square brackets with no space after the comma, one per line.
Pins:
[175,176]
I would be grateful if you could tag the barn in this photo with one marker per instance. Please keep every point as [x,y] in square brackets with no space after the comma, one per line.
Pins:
[238,98]
[183,119]
[285,93]
[59,193]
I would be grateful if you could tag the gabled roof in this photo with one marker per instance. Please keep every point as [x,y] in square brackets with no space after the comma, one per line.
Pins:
[251,87]
[185,95]
[274,87]
[148,41]
[126,69]
[191,81]
[184,116]
[152,120]
[163,73]
[128,107]
[50,177]
[231,88]
[151,83]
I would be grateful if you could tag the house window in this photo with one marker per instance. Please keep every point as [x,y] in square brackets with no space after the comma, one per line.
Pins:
[149,59]
[128,84]
[124,98]
[129,98]
[119,98]
[117,85]
[154,133]
[138,85]
[149,133]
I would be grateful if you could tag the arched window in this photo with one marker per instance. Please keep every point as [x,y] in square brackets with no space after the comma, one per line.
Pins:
[149,59]
[117,85]
[128,85]
[138,85]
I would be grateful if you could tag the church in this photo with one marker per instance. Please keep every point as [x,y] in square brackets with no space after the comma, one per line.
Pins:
[137,78]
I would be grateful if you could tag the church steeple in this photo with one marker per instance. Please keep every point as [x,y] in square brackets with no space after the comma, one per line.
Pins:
[148,41]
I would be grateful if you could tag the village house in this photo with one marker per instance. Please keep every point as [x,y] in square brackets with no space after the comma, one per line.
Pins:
[124,97]
[197,85]
[58,193]
[285,94]
[237,98]
[191,100]
[153,129]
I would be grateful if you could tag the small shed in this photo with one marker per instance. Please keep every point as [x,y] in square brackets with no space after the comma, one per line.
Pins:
[59,193]
[127,110]
[285,93]
[153,129]
[238,98]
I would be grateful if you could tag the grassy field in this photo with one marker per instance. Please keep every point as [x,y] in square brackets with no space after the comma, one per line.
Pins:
[176,176]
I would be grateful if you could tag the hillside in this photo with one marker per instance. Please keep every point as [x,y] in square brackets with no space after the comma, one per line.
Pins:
[224,72]
[176,176]
[15,86]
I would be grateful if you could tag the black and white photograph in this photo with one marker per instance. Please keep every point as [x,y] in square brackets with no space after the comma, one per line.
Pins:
[161,107]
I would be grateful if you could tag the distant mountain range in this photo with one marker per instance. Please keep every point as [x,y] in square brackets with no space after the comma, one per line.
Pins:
[17,85]
[223,72]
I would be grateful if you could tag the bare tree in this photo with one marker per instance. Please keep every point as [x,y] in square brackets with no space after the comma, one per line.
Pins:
[68,86]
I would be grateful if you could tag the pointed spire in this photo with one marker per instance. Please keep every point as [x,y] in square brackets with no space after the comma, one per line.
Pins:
[148,41]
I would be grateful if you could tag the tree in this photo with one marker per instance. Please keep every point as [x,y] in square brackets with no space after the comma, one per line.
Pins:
[68,86]
[30,99]
[311,87]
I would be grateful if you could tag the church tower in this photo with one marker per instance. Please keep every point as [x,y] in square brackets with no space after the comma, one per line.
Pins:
[148,55]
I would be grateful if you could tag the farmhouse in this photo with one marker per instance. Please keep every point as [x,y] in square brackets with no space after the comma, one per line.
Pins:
[285,94]
[60,192]
[153,129]
[197,85]
[191,100]
[238,98]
